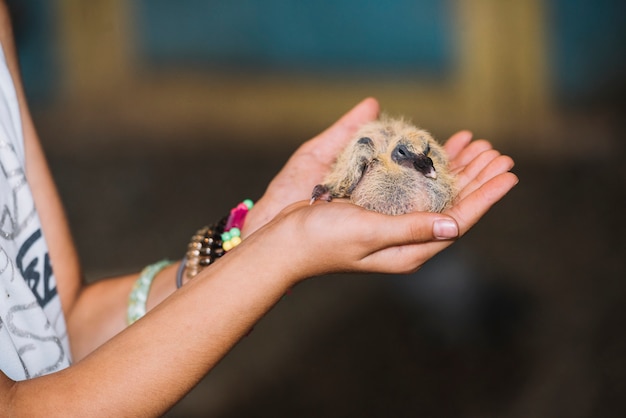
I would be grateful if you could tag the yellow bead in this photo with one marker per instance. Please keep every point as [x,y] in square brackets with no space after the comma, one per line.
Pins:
[235,241]
[227,245]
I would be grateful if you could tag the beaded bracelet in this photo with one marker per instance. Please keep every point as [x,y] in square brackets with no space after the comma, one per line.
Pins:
[231,237]
[211,242]
[139,294]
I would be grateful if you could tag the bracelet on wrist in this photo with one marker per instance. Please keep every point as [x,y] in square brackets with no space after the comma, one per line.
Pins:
[139,293]
[211,242]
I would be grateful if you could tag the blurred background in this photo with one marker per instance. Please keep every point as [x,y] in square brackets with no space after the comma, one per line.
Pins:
[159,116]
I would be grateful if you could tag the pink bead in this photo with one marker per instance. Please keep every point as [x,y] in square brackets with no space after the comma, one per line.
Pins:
[237,216]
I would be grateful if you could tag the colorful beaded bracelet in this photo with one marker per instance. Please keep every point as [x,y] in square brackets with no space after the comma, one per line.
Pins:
[231,237]
[211,242]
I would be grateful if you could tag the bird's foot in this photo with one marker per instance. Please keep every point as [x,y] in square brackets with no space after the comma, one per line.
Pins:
[320,192]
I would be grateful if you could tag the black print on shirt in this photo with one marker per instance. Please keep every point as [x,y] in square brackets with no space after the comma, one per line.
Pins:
[28,263]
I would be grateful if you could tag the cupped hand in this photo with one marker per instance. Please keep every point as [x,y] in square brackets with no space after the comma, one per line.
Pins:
[308,165]
[338,236]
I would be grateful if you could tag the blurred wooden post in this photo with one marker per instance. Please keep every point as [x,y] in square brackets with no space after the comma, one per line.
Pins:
[503,75]
[96,39]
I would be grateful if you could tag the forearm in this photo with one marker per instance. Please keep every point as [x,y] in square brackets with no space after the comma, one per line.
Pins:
[101,309]
[163,355]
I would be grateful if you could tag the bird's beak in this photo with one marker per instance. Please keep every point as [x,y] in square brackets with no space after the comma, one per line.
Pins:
[432,174]
[424,165]
[421,162]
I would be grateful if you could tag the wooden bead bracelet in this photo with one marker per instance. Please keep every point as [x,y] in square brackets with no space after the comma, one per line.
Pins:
[211,242]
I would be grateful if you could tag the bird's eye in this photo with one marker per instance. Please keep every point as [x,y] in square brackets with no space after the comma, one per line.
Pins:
[427,149]
[365,141]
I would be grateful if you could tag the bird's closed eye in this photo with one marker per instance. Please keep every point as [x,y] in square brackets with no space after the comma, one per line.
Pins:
[366,141]
[427,149]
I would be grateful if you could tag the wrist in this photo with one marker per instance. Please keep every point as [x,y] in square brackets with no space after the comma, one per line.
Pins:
[212,242]
[258,216]
[271,252]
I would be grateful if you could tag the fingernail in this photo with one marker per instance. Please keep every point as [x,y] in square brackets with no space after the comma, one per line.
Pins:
[445,229]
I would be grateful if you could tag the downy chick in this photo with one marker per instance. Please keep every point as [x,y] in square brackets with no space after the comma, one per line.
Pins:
[391,167]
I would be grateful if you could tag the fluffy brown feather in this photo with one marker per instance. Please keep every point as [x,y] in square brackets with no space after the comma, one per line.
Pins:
[393,167]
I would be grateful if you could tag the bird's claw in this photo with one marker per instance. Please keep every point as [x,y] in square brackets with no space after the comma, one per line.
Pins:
[320,192]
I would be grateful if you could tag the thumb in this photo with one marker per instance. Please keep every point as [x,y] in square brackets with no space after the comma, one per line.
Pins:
[418,227]
[408,241]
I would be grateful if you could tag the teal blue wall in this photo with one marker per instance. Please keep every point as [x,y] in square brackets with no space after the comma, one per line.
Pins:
[322,36]
[587,42]
[585,39]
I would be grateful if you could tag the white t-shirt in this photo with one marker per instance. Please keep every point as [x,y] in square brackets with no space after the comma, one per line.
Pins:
[33,335]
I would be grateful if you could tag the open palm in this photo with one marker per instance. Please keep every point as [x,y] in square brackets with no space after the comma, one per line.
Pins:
[482,173]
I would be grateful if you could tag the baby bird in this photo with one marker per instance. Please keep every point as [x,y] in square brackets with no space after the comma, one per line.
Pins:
[391,167]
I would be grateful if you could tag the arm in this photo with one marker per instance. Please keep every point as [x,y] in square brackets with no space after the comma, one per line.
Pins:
[132,373]
[100,309]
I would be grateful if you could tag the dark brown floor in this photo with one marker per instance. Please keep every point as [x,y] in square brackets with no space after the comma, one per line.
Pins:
[524,317]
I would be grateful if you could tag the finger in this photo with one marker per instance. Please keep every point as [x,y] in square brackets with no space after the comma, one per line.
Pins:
[472,207]
[408,240]
[329,143]
[407,258]
[471,170]
[495,167]
[469,153]
[416,227]
[457,143]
